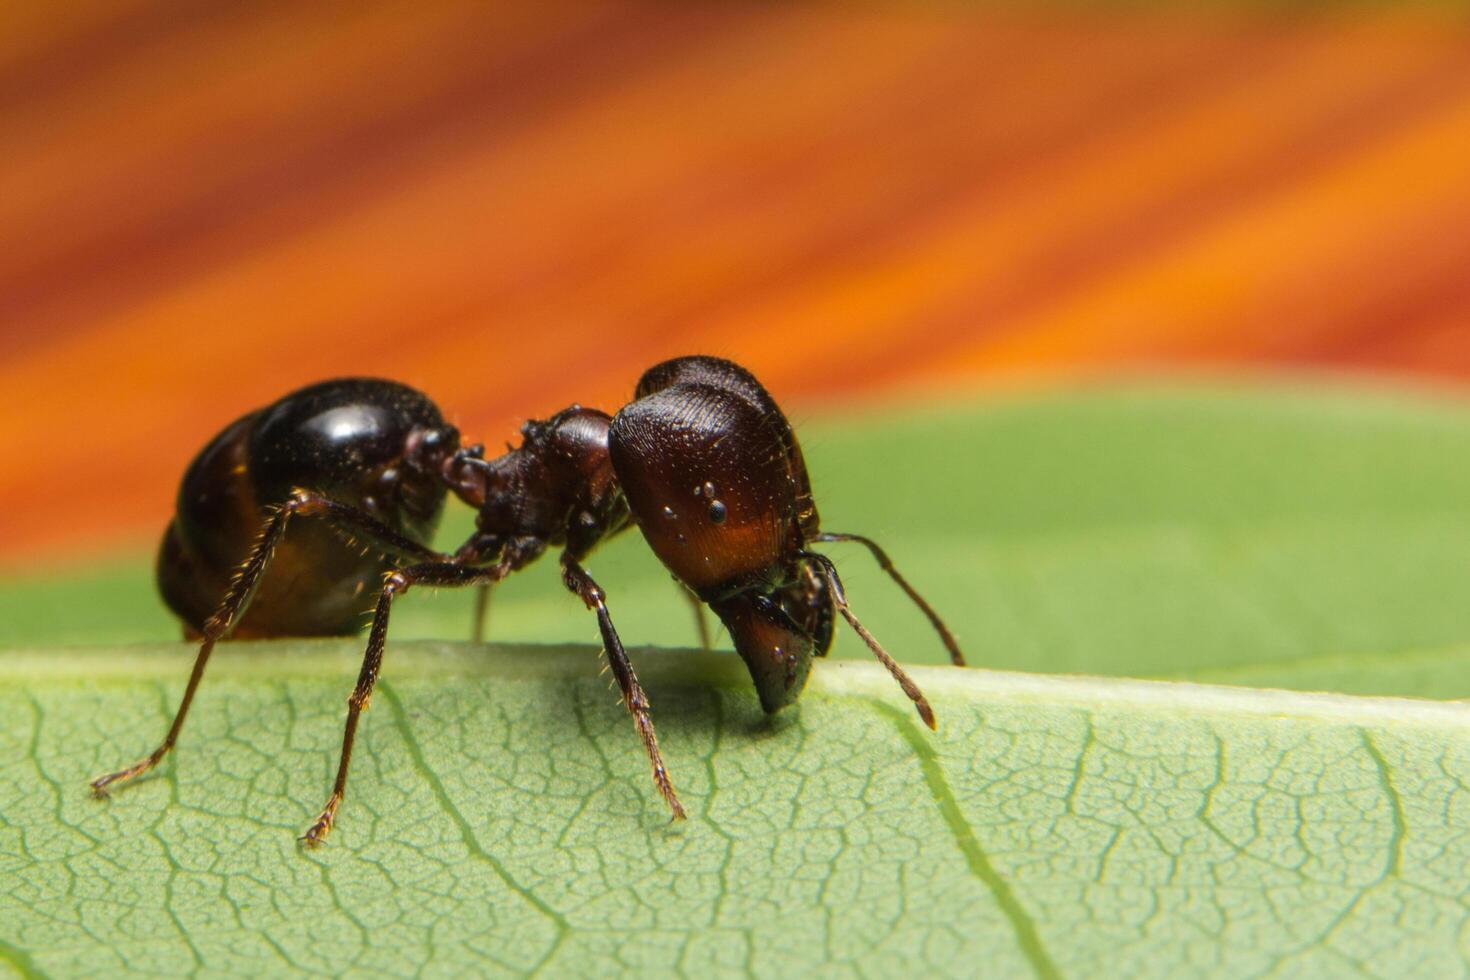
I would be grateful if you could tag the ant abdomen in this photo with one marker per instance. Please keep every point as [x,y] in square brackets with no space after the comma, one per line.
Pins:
[362,442]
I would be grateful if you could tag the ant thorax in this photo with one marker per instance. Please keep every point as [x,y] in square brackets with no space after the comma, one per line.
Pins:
[557,487]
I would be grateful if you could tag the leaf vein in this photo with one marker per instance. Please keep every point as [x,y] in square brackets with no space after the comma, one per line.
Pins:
[1396,807]
[1027,936]
[472,842]
[21,961]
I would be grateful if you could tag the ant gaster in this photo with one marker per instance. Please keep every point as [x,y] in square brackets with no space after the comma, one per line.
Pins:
[702,460]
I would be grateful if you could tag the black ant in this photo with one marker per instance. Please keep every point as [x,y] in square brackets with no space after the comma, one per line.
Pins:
[702,460]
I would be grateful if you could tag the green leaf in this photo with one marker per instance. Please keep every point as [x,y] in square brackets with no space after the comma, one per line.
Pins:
[501,820]
[500,816]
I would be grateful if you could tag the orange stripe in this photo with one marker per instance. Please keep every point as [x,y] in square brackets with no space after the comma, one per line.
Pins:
[517,206]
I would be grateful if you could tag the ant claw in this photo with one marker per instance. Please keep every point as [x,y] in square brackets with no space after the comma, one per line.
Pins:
[316,834]
[101,785]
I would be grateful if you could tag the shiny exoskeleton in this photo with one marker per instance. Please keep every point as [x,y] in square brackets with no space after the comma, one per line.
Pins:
[375,446]
[702,460]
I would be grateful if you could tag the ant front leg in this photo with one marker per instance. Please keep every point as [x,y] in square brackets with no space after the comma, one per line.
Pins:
[445,573]
[577,580]
[242,588]
[701,621]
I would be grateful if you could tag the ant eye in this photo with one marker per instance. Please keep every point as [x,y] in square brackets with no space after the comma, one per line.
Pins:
[716,512]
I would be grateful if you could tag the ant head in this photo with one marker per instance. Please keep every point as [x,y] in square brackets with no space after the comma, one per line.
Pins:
[738,383]
[710,484]
[704,369]
[776,650]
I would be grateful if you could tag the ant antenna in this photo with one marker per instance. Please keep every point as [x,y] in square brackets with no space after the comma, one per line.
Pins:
[881,556]
[839,599]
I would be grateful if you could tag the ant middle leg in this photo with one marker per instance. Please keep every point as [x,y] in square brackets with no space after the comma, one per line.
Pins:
[578,581]
[881,556]
[481,615]
[242,589]
[482,550]
[440,573]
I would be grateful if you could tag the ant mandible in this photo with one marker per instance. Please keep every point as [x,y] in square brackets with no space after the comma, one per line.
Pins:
[702,460]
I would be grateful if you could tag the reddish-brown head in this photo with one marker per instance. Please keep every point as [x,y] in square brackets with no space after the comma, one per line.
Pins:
[709,485]
[778,633]
[714,477]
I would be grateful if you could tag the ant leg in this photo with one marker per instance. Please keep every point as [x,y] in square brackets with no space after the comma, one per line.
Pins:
[433,574]
[351,522]
[237,600]
[701,622]
[839,599]
[577,580]
[481,614]
[218,626]
[957,658]
[480,550]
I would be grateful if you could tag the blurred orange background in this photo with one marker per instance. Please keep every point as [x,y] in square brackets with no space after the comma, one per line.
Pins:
[518,206]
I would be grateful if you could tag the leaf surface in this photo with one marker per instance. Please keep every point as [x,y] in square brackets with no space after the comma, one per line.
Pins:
[501,820]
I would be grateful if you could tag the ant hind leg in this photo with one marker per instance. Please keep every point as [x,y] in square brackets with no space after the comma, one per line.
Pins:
[237,601]
[216,628]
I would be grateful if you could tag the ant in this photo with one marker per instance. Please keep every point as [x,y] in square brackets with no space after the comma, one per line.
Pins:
[702,460]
